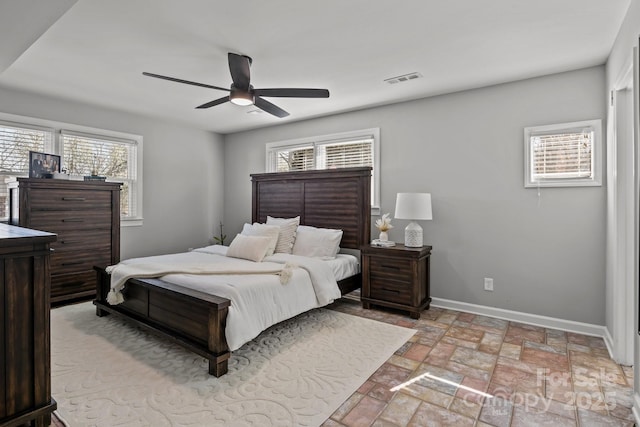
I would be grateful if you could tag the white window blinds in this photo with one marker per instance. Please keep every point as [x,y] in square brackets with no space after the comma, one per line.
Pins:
[346,154]
[295,159]
[113,158]
[565,155]
[324,155]
[562,155]
[16,140]
[15,143]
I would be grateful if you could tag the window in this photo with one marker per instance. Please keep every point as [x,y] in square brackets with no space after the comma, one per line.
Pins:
[84,151]
[342,150]
[563,155]
[85,154]
[16,140]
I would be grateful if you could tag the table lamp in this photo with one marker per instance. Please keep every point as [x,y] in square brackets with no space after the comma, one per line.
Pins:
[414,207]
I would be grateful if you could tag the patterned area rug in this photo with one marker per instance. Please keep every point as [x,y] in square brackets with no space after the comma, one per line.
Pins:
[297,373]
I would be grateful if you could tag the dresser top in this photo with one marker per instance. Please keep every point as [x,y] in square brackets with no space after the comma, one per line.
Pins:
[398,249]
[65,184]
[11,235]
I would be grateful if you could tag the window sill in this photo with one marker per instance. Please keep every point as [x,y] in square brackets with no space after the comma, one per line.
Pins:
[131,222]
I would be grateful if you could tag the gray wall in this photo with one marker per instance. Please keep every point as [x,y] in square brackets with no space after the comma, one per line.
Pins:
[182,172]
[546,254]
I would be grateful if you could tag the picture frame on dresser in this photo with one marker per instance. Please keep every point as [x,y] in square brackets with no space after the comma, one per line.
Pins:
[43,165]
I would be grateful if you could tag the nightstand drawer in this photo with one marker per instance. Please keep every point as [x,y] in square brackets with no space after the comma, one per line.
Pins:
[392,291]
[387,268]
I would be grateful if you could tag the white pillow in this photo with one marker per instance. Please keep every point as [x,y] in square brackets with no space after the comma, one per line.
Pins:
[270,231]
[287,234]
[253,248]
[317,242]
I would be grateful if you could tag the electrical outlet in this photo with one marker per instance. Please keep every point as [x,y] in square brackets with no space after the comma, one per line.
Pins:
[488,284]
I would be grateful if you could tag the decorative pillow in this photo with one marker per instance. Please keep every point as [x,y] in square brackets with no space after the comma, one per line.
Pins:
[287,234]
[317,242]
[257,229]
[253,248]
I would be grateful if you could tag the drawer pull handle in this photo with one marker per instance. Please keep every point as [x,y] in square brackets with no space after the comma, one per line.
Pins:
[69,242]
[393,267]
[73,220]
[64,264]
[395,291]
[77,283]
[74,199]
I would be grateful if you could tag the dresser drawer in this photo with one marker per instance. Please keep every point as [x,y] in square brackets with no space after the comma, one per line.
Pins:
[391,290]
[74,261]
[388,268]
[43,199]
[61,221]
[62,285]
[87,240]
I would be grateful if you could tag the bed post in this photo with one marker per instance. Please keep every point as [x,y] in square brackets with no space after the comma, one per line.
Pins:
[217,341]
[103,284]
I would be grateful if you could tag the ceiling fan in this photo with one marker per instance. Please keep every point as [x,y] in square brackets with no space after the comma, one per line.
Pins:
[243,93]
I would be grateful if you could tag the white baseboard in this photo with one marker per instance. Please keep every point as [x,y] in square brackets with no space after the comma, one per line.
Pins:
[531,319]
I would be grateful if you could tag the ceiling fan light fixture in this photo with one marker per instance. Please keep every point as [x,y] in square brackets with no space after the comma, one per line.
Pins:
[241,97]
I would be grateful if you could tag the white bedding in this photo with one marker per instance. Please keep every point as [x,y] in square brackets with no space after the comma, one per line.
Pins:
[259,301]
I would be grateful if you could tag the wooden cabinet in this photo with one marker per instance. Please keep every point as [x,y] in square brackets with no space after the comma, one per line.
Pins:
[396,277]
[25,356]
[86,218]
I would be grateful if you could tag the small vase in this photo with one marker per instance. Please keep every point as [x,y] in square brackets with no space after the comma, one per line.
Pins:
[383,236]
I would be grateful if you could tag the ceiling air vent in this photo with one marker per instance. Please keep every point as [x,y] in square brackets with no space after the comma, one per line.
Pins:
[403,78]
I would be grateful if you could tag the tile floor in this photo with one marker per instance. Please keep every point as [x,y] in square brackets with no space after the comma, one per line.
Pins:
[472,370]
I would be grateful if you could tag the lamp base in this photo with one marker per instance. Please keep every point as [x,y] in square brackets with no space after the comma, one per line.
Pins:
[413,235]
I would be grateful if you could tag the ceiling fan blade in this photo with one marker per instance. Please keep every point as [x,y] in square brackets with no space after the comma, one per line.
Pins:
[293,93]
[239,68]
[214,102]
[173,79]
[270,108]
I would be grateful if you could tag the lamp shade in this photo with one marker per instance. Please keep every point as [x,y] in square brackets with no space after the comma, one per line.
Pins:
[413,206]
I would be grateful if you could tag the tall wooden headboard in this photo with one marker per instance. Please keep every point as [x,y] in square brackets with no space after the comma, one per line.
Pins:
[333,198]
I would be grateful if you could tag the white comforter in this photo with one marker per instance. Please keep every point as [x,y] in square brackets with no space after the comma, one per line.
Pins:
[258,301]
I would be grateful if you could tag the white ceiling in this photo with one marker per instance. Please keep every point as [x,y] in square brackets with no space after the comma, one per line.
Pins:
[97,50]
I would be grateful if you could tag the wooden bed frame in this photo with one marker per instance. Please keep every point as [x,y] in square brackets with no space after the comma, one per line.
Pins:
[338,198]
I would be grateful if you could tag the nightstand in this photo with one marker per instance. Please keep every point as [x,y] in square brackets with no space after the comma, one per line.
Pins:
[396,277]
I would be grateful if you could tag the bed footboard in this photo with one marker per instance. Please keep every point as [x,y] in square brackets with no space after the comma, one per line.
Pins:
[192,319]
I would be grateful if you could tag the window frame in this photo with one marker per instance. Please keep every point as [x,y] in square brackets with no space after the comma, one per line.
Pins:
[57,128]
[272,147]
[596,154]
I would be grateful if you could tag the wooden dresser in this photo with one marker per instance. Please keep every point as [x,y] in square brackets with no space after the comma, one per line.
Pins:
[86,217]
[25,355]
